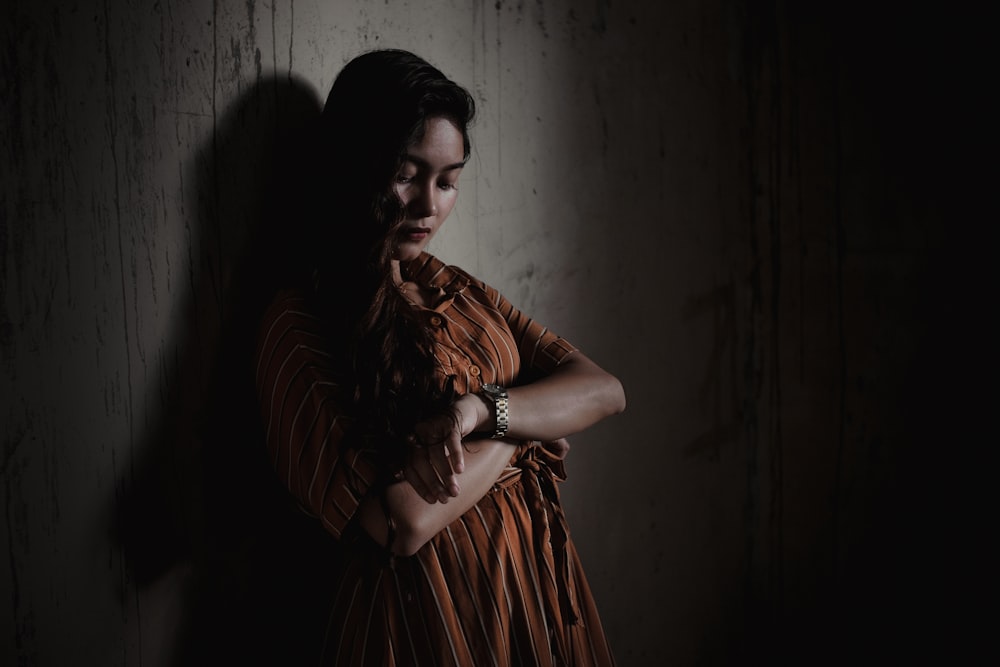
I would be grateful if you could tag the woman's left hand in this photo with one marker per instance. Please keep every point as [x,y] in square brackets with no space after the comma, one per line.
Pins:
[437,458]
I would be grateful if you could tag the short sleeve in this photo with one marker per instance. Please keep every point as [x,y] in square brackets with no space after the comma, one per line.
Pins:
[541,349]
[304,409]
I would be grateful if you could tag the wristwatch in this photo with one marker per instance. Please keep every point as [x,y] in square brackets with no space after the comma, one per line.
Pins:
[499,396]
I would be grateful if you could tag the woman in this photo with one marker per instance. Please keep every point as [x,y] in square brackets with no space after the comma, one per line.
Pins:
[406,402]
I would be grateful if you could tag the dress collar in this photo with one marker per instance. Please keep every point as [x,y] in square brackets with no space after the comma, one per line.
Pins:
[428,271]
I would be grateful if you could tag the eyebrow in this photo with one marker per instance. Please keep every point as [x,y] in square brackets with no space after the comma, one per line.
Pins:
[420,162]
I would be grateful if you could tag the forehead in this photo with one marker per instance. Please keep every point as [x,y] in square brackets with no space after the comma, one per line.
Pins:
[441,145]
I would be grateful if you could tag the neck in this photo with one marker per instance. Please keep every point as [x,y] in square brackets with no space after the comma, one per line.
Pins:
[397,276]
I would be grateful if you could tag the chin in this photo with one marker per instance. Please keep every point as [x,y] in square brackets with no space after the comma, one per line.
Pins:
[404,252]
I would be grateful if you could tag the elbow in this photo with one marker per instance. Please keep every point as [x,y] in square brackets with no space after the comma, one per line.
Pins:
[402,532]
[616,396]
[405,548]
[611,395]
[407,545]
[410,538]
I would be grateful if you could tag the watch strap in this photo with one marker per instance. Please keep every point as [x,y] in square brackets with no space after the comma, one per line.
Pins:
[502,408]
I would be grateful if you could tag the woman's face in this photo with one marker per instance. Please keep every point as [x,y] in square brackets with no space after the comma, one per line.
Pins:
[427,184]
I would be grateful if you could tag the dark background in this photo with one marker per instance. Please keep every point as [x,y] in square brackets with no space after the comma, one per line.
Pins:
[805,480]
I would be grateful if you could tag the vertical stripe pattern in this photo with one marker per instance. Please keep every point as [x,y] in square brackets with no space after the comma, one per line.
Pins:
[502,585]
[304,416]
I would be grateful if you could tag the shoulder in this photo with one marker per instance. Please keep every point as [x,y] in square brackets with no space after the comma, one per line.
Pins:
[287,306]
[467,277]
[289,321]
[431,272]
[476,289]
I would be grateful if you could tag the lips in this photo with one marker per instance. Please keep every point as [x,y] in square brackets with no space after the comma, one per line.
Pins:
[416,233]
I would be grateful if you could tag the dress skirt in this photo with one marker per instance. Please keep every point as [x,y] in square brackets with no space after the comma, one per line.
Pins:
[502,585]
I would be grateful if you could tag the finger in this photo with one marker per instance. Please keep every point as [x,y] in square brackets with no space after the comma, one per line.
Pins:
[440,458]
[419,487]
[437,474]
[424,480]
[455,452]
[431,431]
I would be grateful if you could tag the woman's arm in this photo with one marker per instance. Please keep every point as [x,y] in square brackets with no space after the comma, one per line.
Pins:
[418,520]
[306,415]
[575,395]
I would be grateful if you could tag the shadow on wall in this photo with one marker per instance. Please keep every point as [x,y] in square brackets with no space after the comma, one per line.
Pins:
[207,530]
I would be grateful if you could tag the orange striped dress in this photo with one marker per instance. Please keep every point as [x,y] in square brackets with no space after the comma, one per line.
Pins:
[501,585]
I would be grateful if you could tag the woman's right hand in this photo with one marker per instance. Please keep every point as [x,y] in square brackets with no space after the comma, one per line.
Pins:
[436,458]
[417,520]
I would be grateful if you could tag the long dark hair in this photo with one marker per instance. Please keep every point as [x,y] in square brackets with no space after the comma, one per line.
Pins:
[378,106]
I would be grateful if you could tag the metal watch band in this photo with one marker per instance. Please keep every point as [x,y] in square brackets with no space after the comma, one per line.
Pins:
[499,396]
[503,416]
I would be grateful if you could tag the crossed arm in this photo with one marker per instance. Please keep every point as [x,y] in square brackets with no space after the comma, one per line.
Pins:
[443,480]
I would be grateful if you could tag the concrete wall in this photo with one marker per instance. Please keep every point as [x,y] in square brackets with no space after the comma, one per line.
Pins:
[747,212]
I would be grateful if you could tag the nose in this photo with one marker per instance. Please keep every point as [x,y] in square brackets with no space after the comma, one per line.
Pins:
[423,204]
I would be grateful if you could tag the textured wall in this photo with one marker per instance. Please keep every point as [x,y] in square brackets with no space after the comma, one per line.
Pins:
[736,207]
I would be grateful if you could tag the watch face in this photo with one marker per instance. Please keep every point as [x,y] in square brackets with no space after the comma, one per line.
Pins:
[493,389]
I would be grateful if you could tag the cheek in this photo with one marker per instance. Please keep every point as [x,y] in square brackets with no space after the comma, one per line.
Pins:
[448,203]
[401,192]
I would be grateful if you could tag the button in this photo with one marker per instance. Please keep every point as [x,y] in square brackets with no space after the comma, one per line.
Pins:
[436,320]
[474,371]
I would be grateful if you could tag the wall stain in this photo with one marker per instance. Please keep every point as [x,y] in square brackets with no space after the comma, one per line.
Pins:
[840,248]
[762,375]
[600,22]
[726,413]
[17,534]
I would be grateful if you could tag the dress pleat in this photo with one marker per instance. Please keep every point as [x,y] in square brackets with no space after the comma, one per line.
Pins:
[502,584]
